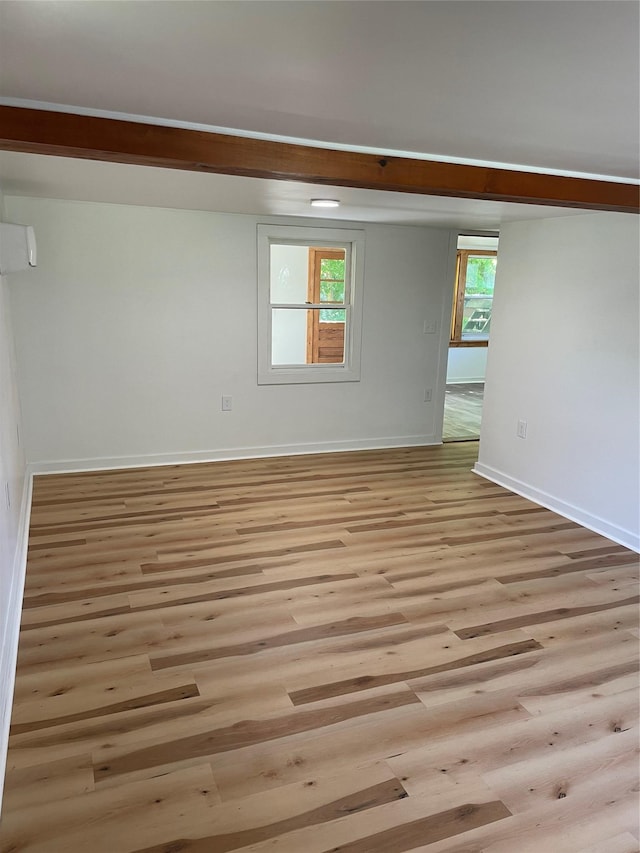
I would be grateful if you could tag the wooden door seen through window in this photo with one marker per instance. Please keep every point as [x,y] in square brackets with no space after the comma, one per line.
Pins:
[326,326]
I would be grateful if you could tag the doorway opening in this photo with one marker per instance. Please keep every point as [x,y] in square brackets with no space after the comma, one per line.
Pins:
[476,263]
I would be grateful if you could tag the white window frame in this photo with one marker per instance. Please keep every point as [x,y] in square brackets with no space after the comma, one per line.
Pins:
[352,241]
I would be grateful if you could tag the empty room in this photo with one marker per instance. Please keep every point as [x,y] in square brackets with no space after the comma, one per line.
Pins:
[258,591]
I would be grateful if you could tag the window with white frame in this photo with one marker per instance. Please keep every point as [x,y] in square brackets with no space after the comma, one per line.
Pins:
[309,304]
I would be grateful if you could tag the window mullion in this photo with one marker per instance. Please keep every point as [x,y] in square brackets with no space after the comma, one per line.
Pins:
[306,306]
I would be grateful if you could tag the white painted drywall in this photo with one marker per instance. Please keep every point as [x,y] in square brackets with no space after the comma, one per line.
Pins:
[564,357]
[137,321]
[13,514]
[466,364]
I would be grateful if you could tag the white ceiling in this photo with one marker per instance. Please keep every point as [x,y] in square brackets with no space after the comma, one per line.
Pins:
[552,85]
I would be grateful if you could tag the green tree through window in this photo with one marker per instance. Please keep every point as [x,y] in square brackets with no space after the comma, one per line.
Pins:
[481,274]
[332,289]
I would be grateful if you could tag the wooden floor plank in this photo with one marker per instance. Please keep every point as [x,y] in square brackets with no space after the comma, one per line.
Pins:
[305,805]
[623,843]
[368,652]
[463,411]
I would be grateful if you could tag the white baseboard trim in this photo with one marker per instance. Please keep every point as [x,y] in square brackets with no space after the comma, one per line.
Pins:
[592,522]
[9,646]
[68,466]
[466,380]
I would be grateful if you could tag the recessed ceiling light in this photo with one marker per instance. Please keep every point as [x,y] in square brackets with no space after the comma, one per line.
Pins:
[325,202]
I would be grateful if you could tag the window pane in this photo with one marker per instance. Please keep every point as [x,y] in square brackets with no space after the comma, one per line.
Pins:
[478,297]
[326,335]
[481,275]
[288,336]
[332,268]
[333,315]
[300,336]
[476,317]
[332,280]
[332,291]
[289,274]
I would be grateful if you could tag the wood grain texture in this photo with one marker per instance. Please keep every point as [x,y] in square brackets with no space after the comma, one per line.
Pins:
[384,792]
[370,652]
[87,137]
[463,410]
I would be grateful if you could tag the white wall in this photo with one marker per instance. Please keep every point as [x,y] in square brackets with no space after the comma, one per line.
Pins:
[564,357]
[137,320]
[466,364]
[13,514]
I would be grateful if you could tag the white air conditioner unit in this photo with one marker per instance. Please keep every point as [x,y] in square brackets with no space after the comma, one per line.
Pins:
[17,247]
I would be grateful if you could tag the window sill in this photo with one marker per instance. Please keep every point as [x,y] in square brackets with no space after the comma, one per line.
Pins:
[469,343]
[303,375]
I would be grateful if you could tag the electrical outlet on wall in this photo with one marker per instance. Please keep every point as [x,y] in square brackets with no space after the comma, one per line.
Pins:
[522,429]
[227,404]
[430,326]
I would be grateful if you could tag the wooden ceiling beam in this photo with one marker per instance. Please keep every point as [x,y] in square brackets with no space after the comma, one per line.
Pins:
[110,140]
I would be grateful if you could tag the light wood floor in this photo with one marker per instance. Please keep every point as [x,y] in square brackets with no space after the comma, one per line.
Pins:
[463,411]
[367,652]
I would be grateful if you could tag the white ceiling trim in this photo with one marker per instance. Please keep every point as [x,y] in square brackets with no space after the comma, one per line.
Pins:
[311,143]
